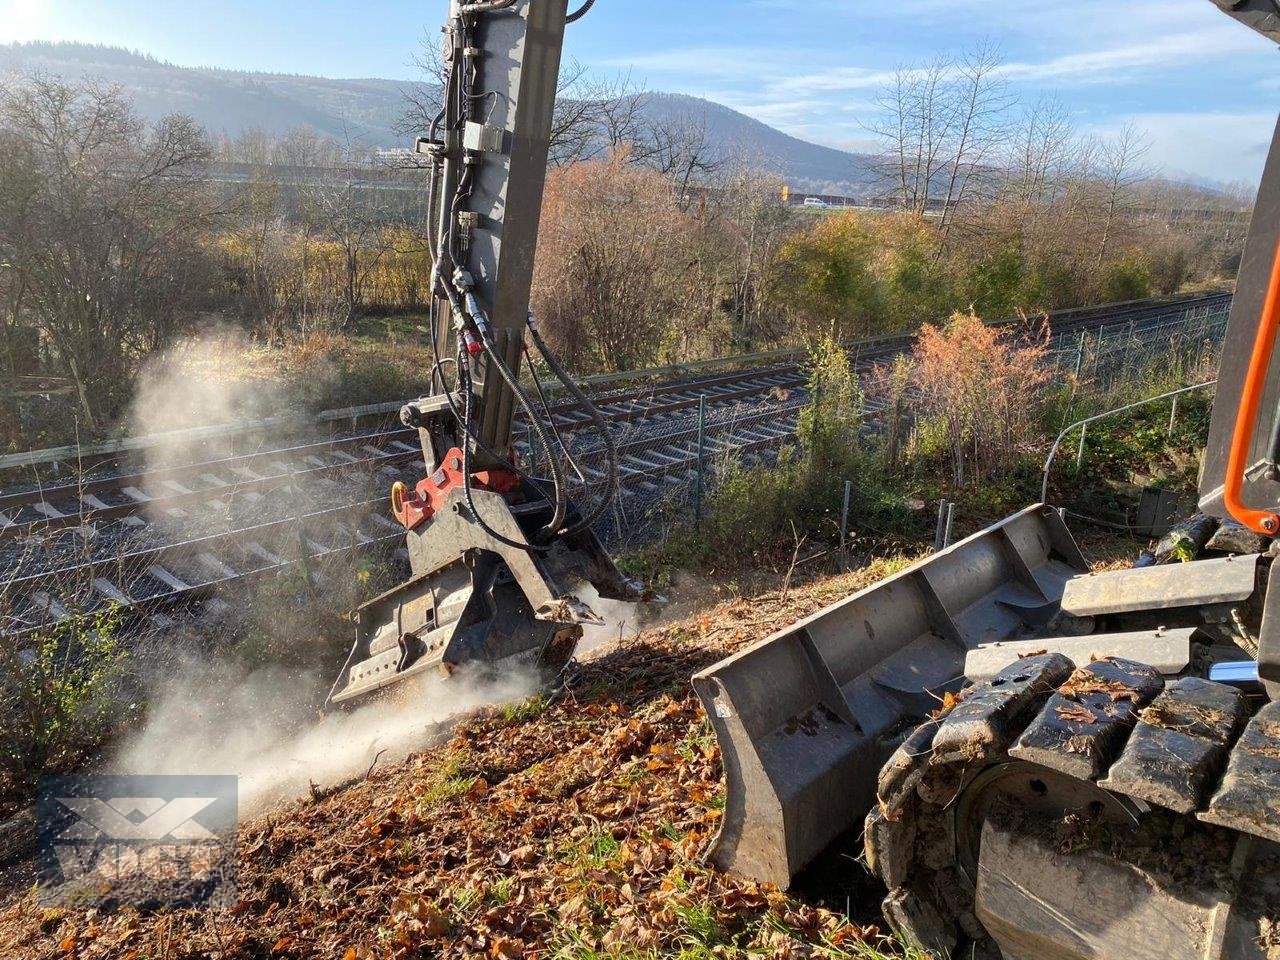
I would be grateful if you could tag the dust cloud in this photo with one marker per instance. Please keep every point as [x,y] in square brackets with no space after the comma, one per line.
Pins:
[202,382]
[261,723]
[625,621]
[264,728]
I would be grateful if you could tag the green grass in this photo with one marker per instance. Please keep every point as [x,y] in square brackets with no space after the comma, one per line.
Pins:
[526,711]
[446,782]
[379,328]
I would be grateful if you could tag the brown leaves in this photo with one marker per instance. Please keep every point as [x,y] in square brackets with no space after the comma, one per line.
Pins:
[414,920]
[1083,683]
[589,818]
[505,949]
[949,702]
[1076,714]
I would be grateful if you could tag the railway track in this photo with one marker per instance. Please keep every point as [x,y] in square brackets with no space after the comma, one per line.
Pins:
[149,541]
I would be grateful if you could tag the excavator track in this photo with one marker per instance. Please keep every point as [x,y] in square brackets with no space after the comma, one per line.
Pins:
[1056,812]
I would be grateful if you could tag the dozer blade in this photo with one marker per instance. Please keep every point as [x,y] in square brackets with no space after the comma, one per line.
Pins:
[473,600]
[807,717]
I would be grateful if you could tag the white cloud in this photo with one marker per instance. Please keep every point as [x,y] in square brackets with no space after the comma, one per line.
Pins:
[1184,50]
[1107,61]
[1218,146]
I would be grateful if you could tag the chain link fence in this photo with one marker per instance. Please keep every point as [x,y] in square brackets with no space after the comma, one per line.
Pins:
[670,469]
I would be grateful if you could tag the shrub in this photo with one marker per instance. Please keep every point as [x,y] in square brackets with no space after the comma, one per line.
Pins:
[827,279]
[613,266]
[754,513]
[1129,278]
[981,390]
[63,695]
[994,284]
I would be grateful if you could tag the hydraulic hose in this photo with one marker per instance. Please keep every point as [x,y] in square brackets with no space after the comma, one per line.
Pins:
[580,12]
[597,418]
[559,482]
[466,477]
[463,304]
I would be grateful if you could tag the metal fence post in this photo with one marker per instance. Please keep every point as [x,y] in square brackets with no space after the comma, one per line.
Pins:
[951,521]
[1173,416]
[702,457]
[941,528]
[844,522]
[1084,429]
[1080,355]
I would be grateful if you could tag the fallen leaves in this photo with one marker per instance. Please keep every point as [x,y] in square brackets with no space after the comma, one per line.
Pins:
[579,825]
[1082,683]
[949,702]
[1075,713]
[414,919]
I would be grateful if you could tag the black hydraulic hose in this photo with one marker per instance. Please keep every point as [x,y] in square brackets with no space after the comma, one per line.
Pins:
[466,480]
[560,498]
[468,433]
[601,425]
[545,407]
[558,480]
[580,12]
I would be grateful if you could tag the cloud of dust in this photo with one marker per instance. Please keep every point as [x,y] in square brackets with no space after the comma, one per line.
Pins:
[200,382]
[264,728]
[624,621]
[205,716]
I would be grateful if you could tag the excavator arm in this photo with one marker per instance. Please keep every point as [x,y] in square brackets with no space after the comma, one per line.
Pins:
[498,554]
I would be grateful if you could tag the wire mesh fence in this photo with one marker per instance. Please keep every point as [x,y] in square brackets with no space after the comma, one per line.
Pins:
[668,479]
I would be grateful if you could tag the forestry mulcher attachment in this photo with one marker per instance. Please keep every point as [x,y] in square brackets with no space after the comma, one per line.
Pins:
[1046,763]
[497,553]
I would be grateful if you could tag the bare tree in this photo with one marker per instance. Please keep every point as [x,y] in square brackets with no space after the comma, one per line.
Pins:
[916,122]
[750,213]
[423,101]
[1040,151]
[1119,172]
[254,146]
[595,116]
[979,104]
[100,219]
[681,150]
[304,147]
[350,218]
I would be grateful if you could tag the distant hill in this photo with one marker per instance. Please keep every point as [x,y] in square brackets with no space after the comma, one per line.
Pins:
[807,166]
[365,111]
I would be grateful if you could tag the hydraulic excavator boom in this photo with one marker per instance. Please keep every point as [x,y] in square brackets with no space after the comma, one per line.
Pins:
[497,553]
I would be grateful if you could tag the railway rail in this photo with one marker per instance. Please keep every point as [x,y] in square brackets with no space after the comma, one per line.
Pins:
[139,539]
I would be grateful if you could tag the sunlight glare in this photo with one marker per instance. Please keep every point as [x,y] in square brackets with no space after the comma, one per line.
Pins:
[22,20]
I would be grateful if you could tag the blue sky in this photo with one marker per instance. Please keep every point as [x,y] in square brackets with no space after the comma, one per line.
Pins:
[1205,89]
